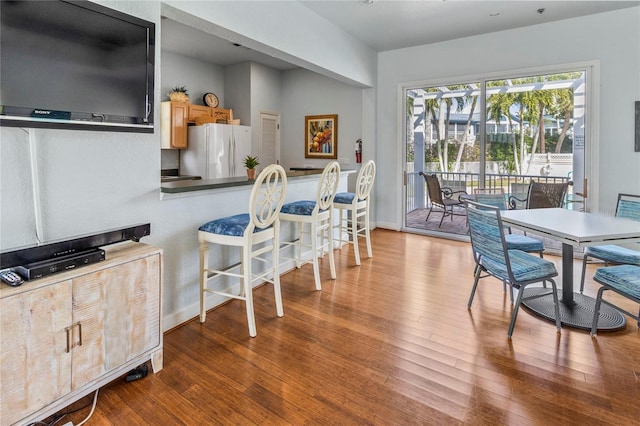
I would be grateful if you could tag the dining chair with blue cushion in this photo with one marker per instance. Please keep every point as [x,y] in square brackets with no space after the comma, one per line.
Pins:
[318,215]
[256,233]
[356,206]
[621,279]
[513,267]
[628,207]
[495,197]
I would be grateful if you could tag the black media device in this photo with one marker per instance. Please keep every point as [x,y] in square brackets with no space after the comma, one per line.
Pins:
[43,268]
[46,259]
[137,373]
[75,65]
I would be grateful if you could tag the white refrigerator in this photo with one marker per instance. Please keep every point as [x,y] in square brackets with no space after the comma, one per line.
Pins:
[216,151]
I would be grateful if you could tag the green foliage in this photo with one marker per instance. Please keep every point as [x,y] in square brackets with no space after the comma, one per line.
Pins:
[552,141]
[250,162]
[180,89]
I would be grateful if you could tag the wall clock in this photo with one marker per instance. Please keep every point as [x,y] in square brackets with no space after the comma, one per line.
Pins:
[210,100]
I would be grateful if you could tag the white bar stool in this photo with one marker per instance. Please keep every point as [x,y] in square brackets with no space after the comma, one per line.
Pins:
[260,226]
[357,206]
[318,215]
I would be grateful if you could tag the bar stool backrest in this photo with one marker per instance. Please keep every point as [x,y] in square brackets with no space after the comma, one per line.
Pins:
[267,196]
[328,185]
[365,179]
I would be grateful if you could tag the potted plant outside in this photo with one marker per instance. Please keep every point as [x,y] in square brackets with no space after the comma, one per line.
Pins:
[179,94]
[250,163]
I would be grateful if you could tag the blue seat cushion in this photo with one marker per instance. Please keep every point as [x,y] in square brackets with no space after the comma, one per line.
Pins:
[233,225]
[524,243]
[301,208]
[344,197]
[624,278]
[525,267]
[614,254]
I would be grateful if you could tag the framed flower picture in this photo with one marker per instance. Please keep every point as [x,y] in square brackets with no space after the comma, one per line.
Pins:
[321,136]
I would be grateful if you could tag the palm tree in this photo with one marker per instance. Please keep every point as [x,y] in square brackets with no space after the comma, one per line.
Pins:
[410,127]
[431,109]
[498,106]
[564,105]
[462,102]
[440,109]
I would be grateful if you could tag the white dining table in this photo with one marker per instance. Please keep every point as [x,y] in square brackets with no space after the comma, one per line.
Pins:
[574,229]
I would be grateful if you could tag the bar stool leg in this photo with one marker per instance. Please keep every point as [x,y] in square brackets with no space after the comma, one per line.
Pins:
[275,256]
[354,236]
[204,265]
[367,235]
[298,246]
[314,253]
[248,293]
[329,231]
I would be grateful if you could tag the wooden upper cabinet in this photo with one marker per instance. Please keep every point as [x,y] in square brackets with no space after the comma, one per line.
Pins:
[176,116]
[173,125]
[196,111]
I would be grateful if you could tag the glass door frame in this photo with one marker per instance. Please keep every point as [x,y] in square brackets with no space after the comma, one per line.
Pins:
[591,129]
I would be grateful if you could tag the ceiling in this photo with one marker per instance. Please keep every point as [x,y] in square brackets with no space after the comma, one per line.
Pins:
[393,24]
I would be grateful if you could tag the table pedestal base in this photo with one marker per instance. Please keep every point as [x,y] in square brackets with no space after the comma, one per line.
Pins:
[580,315]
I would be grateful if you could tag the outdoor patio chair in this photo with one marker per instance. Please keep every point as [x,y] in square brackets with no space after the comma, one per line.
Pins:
[542,195]
[443,198]
[513,267]
[621,279]
[628,206]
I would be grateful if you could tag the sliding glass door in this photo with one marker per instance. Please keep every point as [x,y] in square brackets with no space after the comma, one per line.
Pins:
[492,132]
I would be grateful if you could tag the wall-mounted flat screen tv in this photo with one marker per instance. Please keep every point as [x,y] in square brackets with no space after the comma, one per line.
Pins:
[75,64]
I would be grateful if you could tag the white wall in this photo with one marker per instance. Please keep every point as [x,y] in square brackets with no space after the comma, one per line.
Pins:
[612,38]
[306,93]
[281,29]
[237,83]
[198,76]
[17,213]
[266,96]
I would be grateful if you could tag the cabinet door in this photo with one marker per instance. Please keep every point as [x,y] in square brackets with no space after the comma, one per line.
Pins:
[196,111]
[118,310]
[179,114]
[35,362]
[173,124]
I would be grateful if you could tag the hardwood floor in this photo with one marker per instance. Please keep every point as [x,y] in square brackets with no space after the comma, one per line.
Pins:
[388,343]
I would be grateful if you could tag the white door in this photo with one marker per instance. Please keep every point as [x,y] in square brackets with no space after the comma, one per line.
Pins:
[269,138]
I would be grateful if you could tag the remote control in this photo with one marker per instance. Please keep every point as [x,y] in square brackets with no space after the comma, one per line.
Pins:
[11,278]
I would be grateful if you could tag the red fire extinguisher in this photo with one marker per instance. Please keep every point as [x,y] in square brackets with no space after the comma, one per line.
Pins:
[359,151]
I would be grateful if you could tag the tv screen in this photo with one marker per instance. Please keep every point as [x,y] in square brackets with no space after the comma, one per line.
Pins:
[64,64]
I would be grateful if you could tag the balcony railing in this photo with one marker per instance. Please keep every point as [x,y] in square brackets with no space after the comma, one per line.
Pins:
[517,185]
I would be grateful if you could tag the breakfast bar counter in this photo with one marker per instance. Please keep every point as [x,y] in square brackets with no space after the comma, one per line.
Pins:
[181,186]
